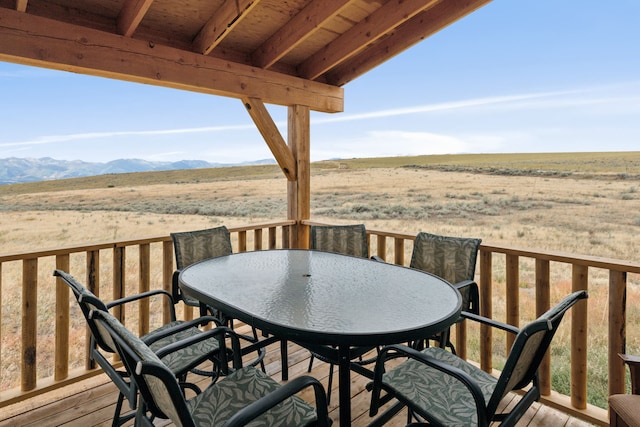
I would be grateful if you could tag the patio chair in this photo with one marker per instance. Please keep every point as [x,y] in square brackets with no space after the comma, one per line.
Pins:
[179,363]
[453,259]
[444,390]
[244,395]
[346,240]
[194,246]
[623,408]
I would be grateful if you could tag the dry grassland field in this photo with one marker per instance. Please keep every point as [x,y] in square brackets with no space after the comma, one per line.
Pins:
[578,207]
[582,203]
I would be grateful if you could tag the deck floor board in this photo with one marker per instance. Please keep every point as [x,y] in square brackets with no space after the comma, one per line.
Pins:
[92,402]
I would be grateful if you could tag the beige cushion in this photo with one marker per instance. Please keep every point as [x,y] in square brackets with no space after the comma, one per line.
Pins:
[627,406]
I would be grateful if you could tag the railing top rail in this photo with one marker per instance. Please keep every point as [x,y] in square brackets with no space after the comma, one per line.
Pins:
[17,256]
[585,260]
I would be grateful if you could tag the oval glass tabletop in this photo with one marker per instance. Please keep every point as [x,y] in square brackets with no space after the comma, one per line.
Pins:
[324,298]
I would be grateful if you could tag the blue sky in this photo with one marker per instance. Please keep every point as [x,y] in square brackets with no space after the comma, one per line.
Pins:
[515,76]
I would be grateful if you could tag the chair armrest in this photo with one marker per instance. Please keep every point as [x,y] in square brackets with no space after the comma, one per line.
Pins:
[494,323]
[175,285]
[471,288]
[262,405]
[220,332]
[142,295]
[634,369]
[398,350]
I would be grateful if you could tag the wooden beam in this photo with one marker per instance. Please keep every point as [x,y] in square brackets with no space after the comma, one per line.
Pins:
[130,16]
[272,136]
[33,40]
[413,31]
[377,25]
[297,30]
[225,18]
[21,5]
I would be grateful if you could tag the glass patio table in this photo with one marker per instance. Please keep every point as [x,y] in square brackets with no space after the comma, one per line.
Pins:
[319,299]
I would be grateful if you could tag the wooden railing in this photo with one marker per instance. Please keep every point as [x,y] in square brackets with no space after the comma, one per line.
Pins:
[37,336]
[45,320]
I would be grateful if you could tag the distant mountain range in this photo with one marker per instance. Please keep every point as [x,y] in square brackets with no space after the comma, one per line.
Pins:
[14,170]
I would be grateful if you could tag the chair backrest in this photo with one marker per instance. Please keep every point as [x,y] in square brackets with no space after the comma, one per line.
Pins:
[342,239]
[88,302]
[452,258]
[194,246]
[529,348]
[158,386]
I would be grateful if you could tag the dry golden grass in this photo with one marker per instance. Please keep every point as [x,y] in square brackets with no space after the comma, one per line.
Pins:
[567,203]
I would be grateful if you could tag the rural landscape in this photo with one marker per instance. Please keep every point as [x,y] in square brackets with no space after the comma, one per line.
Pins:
[581,203]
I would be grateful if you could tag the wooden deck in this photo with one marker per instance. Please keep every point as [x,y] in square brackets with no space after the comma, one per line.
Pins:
[92,402]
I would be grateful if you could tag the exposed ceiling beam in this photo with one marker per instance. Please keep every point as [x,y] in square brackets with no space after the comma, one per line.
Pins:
[21,5]
[420,27]
[130,16]
[225,18]
[361,35]
[294,32]
[33,40]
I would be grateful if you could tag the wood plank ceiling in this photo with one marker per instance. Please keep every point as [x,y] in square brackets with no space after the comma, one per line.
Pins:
[294,53]
[284,52]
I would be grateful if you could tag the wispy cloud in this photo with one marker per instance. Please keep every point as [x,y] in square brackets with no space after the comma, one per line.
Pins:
[49,139]
[586,97]
[444,106]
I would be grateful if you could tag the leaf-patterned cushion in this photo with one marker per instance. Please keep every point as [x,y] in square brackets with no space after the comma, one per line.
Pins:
[181,360]
[437,393]
[342,239]
[220,401]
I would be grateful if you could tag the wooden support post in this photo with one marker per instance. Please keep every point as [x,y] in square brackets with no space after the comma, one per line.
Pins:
[299,189]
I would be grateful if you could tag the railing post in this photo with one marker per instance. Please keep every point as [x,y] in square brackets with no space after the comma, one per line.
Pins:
[617,330]
[61,370]
[242,241]
[119,280]
[486,309]
[381,249]
[272,237]
[513,295]
[144,284]
[579,328]
[543,303]
[29,322]
[257,239]
[286,236]
[398,249]
[93,284]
